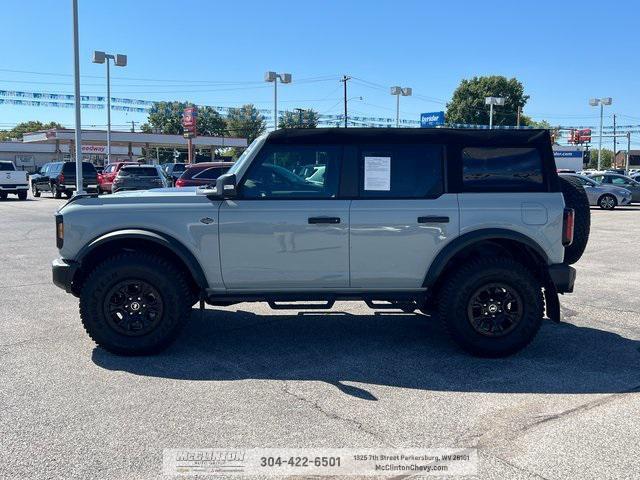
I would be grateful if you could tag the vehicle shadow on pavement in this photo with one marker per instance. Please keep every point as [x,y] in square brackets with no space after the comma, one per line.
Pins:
[385,348]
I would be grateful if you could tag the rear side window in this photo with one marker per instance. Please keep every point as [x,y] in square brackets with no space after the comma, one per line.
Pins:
[502,169]
[211,173]
[139,172]
[401,171]
[70,168]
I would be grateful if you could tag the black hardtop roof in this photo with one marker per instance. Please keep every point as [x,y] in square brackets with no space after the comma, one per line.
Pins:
[469,137]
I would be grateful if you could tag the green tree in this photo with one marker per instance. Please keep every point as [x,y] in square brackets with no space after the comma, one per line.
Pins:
[607,157]
[166,117]
[467,104]
[25,127]
[299,119]
[245,122]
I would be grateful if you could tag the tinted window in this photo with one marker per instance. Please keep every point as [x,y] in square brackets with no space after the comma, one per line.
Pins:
[138,172]
[211,173]
[487,169]
[6,166]
[70,168]
[178,167]
[401,171]
[273,174]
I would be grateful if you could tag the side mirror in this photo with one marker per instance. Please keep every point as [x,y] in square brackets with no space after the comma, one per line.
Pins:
[225,187]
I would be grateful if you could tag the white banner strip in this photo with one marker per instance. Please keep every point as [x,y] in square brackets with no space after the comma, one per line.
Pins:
[320,461]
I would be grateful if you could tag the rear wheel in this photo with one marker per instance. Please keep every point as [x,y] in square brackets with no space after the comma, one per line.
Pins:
[607,202]
[134,303]
[3,195]
[22,195]
[575,197]
[34,190]
[491,307]
[68,194]
[55,192]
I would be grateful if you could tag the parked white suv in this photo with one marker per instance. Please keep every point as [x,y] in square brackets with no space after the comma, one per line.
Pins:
[473,225]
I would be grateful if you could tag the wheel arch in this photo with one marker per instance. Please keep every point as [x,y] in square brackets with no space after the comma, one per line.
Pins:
[144,240]
[485,241]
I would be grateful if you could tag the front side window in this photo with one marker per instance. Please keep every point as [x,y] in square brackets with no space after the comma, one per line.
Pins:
[501,169]
[273,175]
[401,171]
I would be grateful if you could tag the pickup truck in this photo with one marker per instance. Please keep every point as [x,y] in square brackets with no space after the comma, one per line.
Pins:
[12,181]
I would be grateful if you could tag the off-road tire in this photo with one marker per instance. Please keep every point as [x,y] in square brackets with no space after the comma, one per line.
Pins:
[575,197]
[168,281]
[458,290]
[35,191]
[22,195]
[607,202]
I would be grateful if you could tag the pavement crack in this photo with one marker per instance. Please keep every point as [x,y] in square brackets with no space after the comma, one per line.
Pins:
[520,469]
[334,416]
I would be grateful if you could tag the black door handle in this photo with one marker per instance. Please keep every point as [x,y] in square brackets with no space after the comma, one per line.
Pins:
[316,220]
[433,219]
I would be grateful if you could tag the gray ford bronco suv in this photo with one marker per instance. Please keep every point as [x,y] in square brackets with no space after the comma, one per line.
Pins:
[473,226]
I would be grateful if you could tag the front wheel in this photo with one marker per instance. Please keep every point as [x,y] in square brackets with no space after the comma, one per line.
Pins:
[607,202]
[134,303]
[491,307]
[22,195]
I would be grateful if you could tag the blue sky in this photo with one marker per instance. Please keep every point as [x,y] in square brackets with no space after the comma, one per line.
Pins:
[216,53]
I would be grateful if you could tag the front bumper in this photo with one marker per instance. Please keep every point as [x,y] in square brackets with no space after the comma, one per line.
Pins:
[63,273]
[563,277]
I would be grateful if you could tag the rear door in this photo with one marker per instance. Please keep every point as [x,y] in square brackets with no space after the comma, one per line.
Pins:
[624,182]
[284,231]
[402,216]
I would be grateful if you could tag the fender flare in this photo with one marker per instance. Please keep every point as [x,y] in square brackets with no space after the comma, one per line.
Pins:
[454,247]
[181,251]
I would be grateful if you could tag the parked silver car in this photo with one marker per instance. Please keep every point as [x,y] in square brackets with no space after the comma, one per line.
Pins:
[604,195]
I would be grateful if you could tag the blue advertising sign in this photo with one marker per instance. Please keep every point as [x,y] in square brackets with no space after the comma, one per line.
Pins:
[431,119]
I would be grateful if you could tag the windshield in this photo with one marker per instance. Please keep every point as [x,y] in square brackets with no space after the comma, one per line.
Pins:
[139,172]
[248,153]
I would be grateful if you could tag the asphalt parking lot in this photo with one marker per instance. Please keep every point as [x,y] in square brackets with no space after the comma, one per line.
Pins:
[246,376]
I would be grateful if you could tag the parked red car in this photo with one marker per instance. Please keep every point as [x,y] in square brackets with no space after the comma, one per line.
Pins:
[108,175]
[198,174]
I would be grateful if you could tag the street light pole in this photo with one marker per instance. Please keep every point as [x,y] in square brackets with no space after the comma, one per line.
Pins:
[397,91]
[273,77]
[108,114]
[594,102]
[491,101]
[119,61]
[76,82]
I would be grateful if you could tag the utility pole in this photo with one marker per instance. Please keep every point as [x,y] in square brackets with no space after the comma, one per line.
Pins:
[518,116]
[300,117]
[628,150]
[344,80]
[133,126]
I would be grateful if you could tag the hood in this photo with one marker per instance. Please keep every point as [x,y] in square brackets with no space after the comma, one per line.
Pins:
[155,196]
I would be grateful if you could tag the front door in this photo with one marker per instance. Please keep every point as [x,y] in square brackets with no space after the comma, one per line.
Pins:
[287,230]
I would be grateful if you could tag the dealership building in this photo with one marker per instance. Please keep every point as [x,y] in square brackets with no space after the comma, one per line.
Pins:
[38,148]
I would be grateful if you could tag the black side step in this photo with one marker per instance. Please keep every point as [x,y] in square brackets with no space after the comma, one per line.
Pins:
[404,306]
[301,306]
